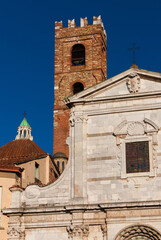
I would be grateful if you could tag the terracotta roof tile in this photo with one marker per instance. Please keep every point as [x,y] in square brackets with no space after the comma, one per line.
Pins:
[19,151]
[11,169]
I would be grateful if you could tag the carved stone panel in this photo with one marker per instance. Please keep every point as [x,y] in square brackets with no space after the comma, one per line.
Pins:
[16,233]
[78,232]
[133,83]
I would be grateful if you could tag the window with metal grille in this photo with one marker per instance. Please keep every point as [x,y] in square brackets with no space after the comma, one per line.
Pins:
[78,55]
[137,157]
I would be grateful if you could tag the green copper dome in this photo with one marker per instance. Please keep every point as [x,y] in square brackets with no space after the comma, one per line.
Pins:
[25,123]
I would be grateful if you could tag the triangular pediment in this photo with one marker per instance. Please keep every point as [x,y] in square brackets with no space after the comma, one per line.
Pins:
[132,82]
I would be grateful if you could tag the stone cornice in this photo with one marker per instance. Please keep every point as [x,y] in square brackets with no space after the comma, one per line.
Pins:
[47,209]
[141,72]
[123,97]
[123,109]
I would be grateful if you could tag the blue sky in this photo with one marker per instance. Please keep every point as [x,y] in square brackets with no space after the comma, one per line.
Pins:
[27,53]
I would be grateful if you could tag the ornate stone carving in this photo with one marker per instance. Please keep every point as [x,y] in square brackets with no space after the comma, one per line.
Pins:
[135,128]
[119,156]
[16,233]
[136,131]
[85,231]
[70,231]
[72,119]
[133,83]
[104,230]
[76,118]
[77,231]
[139,232]
[155,165]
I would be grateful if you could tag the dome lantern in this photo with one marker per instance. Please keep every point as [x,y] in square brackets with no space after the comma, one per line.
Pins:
[24,130]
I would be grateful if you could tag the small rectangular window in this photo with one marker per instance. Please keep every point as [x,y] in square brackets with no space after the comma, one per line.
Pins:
[137,157]
[36,172]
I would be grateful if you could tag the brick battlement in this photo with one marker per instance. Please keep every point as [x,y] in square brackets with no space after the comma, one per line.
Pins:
[92,71]
[83,23]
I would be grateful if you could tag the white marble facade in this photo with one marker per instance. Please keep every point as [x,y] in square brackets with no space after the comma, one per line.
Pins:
[95,197]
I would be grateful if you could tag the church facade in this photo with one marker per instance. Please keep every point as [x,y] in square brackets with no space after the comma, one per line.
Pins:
[111,186]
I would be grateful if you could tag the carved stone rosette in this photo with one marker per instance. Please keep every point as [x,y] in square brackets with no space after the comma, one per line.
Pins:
[16,233]
[78,232]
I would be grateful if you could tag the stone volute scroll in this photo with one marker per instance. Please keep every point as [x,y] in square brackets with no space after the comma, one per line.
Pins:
[133,83]
[72,119]
[75,118]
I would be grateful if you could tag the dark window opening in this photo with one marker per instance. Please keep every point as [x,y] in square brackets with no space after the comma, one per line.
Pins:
[55,175]
[77,87]
[137,157]
[36,172]
[78,55]
[58,164]
[63,166]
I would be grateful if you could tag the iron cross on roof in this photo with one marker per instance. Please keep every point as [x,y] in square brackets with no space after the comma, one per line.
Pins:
[133,49]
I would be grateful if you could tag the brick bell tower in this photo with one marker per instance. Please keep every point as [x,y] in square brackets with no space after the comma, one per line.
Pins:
[80,62]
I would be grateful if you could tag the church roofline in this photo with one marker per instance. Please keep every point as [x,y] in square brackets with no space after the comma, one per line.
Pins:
[81,97]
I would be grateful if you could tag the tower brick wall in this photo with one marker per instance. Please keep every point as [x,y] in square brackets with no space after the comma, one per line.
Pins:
[93,37]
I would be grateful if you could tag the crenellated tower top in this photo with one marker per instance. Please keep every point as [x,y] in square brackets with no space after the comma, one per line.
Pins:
[83,23]
[80,63]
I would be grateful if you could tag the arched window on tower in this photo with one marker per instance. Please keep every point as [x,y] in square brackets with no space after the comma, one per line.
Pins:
[63,166]
[77,87]
[78,55]
[58,164]
[24,133]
